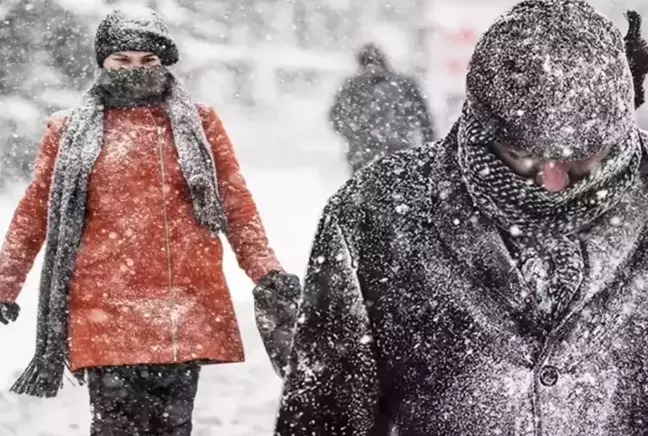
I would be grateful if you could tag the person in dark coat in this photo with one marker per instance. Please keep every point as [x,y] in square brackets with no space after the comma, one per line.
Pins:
[494,283]
[379,111]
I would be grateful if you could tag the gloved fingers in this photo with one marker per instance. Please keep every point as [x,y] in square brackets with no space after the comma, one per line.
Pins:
[9,312]
[282,284]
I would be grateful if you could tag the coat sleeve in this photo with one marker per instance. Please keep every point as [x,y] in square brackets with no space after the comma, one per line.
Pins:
[245,231]
[28,228]
[331,386]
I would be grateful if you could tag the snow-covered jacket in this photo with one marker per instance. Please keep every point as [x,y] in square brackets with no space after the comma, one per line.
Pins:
[413,319]
[148,284]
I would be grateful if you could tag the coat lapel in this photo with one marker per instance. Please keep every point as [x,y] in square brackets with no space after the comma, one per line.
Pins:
[491,285]
[608,246]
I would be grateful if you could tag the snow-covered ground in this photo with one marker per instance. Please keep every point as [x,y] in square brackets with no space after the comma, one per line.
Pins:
[292,164]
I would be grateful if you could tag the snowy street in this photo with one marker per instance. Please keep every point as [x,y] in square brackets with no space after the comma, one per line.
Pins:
[233,400]
[483,273]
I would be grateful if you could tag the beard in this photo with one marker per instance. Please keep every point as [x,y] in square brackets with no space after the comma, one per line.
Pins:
[132,87]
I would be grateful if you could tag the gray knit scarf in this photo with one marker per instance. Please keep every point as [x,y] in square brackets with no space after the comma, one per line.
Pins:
[543,226]
[79,148]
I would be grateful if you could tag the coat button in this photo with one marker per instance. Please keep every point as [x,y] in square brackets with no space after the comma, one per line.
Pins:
[549,375]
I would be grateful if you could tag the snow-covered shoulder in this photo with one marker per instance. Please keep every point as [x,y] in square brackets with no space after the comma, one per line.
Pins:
[405,185]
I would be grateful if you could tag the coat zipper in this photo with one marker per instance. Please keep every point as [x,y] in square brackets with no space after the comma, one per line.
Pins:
[172,295]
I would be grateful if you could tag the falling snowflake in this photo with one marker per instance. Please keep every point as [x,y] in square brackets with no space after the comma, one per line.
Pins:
[402,209]
[365,339]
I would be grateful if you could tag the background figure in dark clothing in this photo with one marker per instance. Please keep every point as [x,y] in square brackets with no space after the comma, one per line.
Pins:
[379,111]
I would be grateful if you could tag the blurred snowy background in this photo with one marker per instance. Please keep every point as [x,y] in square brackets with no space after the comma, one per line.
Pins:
[270,67]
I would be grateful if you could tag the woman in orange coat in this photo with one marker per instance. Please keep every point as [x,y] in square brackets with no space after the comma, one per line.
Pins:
[131,190]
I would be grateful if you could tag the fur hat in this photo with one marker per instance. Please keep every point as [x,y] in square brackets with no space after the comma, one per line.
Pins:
[135,28]
[553,76]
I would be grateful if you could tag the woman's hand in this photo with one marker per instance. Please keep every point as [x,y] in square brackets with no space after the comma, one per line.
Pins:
[275,302]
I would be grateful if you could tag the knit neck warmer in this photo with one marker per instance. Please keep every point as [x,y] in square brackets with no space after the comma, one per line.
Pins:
[133,87]
[542,225]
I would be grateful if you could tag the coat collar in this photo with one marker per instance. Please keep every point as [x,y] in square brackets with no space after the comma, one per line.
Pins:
[608,247]
[496,288]
[476,269]
[478,247]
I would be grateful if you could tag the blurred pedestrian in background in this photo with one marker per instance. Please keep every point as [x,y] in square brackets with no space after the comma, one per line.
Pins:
[379,111]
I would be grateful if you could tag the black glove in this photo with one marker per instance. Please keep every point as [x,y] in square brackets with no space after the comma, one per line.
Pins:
[275,305]
[278,292]
[9,312]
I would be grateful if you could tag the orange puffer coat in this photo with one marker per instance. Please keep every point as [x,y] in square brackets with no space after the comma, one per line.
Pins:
[148,284]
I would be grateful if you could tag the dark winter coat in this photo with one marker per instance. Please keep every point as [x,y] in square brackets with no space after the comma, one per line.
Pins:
[379,114]
[412,319]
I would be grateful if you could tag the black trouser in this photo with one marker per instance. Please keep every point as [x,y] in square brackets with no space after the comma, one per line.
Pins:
[143,400]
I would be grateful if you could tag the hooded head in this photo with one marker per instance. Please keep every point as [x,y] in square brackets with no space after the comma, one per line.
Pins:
[552,76]
[136,29]
[371,57]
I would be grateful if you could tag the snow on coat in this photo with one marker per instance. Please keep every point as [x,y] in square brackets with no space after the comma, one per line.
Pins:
[413,319]
[148,285]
